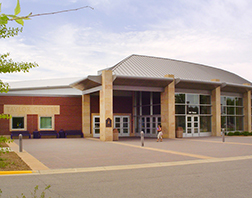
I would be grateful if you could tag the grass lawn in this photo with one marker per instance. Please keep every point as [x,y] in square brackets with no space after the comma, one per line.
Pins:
[11,161]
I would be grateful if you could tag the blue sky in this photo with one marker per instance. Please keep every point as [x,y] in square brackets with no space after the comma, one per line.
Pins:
[217,33]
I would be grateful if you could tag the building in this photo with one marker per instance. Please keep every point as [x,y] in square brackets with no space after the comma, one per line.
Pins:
[135,95]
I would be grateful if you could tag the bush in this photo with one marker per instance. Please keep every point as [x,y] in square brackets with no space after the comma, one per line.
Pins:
[250,133]
[230,134]
[237,133]
[245,133]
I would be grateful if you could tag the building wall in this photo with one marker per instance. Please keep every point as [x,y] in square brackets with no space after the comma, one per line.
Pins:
[69,117]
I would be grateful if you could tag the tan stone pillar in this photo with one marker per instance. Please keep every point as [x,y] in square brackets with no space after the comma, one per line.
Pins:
[216,112]
[168,111]
[106,106]
[247,111]
[86,115]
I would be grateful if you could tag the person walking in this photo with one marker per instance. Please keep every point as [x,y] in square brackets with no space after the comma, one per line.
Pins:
[160,133]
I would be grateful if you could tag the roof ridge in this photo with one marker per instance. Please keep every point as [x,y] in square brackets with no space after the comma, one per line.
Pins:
[199,64]
[121,62]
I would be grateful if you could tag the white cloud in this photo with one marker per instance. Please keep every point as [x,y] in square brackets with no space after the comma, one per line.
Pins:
[212,33]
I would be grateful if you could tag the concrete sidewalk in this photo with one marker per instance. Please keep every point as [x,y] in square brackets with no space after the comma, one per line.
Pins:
[90,154]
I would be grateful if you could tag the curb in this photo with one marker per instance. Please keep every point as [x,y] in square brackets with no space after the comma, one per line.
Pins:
[15,172]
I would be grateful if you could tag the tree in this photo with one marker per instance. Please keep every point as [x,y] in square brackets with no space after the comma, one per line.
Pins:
[7,65]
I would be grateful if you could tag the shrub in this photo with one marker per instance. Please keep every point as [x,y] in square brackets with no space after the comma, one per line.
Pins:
[250,133]
[230,134]
[245,133]
[237,133]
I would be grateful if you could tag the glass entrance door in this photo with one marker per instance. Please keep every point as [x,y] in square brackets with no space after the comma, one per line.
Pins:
[192,125]
[96,126]
[121,123]
[149,125]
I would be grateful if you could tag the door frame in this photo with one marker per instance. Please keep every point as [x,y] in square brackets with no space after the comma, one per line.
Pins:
[95,115]
[149,128]
[121,134]
[193,122]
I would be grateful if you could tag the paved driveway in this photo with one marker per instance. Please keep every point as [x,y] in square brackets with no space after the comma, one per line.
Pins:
[85,152]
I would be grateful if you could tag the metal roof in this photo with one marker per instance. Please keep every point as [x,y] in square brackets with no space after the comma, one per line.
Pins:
[42,87]
[148,66]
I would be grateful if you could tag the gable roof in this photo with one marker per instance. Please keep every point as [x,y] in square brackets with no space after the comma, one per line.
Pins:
[148,66]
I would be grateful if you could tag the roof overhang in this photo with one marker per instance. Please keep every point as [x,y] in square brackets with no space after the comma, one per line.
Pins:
[87,83]
[194,84]
[237,88]
[92,84]
[141,81]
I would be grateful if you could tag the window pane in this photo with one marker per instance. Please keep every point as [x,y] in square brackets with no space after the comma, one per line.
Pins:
[180,109]
[192,109]
[180,122]
[145,98]
[223,100]
[230,123]
[192,99]
[205,110]
[146,110]
[205,124]
[180,98]
[17,122]
[230,110]
[156,98]
[230,100]
[45,122]
[239,111]
[239,123]
[156,110]
[239,101]
[223,122]
[204,99]
[223,110]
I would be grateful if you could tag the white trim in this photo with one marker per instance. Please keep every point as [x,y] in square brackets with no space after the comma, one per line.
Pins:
[25,123]
[53,127]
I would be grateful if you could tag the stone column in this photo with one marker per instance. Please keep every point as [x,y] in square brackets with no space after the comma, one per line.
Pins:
[86,115]
[168,111]
[216,111]
[106,106]
[247,111]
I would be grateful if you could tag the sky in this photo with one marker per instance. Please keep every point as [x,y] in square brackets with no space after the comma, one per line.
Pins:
[216,33]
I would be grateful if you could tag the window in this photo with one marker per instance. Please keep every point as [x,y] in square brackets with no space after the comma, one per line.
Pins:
[45,123]
[18,123]
[232,113]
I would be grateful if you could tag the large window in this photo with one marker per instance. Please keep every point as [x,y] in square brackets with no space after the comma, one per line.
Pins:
[193,104]
[231,113]
[18,123]
[147,103]
[45,123]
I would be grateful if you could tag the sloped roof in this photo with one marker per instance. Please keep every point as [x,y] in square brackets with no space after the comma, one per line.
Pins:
[148,66]
[43,87]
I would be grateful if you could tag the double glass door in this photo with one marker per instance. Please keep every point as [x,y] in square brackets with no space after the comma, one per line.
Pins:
[149,124]
[121,123]
[192,126]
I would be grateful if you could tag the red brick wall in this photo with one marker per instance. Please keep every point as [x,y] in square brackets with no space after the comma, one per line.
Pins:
[69,118]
